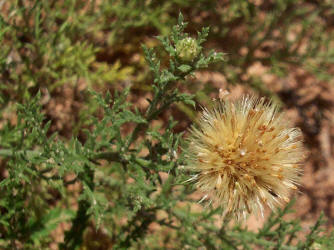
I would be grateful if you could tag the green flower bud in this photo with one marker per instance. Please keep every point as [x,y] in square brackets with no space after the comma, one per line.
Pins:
[187,49]
[316,246]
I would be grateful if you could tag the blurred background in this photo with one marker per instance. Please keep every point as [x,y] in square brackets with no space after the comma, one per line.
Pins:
[280,49]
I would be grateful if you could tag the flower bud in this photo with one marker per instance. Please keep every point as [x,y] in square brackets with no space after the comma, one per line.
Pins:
[187,49]
[316,246]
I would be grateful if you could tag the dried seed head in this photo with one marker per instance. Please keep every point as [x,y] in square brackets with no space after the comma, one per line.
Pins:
[245,155]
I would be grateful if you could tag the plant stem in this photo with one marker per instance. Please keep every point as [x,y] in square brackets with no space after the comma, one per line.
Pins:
[151,113]
[111,156]
[9,152]
[74,237]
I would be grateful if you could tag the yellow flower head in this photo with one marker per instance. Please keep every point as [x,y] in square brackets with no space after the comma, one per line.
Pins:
[246,155]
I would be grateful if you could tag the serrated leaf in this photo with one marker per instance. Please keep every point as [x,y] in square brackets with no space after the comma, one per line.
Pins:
[184,68]
[43,227]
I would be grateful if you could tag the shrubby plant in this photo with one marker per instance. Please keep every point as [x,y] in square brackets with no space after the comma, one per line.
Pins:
[131,190]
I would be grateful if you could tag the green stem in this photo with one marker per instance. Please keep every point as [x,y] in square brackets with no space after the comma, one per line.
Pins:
[151,109]
[151,113]
[9,152]
[143,216]
[74,237]
[111,156]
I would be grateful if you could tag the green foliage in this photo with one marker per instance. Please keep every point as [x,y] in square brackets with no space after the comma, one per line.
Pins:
[42,45]
[123,176]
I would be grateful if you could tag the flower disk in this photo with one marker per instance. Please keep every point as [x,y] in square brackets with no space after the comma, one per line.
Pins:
[245,155]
